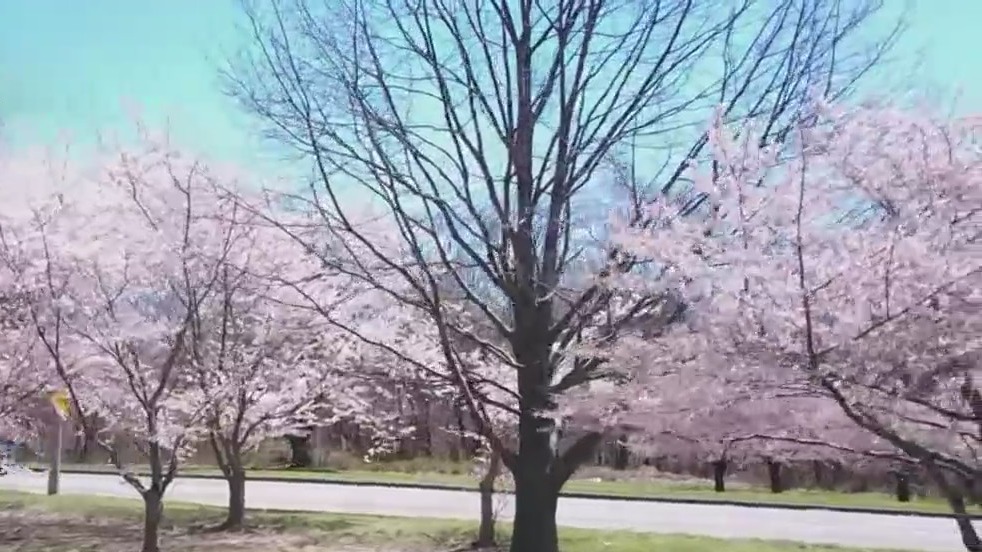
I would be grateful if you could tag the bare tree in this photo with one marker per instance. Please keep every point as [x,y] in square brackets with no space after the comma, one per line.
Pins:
[483,128]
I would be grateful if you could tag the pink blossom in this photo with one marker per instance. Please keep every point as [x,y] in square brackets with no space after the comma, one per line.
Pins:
[847,263]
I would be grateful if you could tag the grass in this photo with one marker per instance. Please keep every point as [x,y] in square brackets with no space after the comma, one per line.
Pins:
[35,523]
[394,473]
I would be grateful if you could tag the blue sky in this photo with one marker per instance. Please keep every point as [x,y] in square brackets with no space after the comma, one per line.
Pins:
[69,67]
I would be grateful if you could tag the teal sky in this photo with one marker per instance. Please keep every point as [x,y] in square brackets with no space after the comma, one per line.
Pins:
[69,67]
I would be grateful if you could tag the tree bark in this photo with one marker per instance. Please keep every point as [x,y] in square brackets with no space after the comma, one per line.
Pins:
[835,474]
[902,486]
[540,471]
[719,475]
[534,527]
[462,445]
[818,473]
[774,476]
[153,510]
[228,454]
[80,450]
[622,456]
[424,435]
[235,518]
[956,499]
[970,538]
[85,441]
[536,485]
[300,456]
[486,532]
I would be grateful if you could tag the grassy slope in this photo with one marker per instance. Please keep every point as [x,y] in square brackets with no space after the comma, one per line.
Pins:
[420,534]
[690,490]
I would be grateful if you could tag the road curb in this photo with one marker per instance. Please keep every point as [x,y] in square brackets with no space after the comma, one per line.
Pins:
[588,496]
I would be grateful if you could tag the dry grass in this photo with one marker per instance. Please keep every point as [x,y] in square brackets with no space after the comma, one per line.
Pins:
[30,531]
[34,531]
[36,523]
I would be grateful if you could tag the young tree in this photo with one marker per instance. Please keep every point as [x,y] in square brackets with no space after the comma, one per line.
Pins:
[29,211]
[136,245]
[436,111]
[266,366]
[850,264]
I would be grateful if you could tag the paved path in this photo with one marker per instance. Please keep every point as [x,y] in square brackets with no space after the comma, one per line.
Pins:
[814,526]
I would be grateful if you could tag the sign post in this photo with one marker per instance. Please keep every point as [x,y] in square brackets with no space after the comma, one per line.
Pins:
[62,406]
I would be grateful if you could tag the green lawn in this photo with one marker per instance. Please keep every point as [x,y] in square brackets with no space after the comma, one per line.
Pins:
[692,490]
[118,519]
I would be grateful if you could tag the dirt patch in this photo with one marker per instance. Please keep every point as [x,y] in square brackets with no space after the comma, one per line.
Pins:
[37,531]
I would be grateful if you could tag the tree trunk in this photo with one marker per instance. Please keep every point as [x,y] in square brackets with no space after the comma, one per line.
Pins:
[80,450]
[622,456]
[719,475]
[235,518]
[460,443]
[903,486]
[970,538]
[818,473]
[956,499]
[835,475]
[424,437]
[534,528]
[153,510]
[300,456]
[83,444]
[486,533]
[536,485]
[774,476]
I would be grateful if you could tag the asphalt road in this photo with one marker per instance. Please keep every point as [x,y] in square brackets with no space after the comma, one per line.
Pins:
[813,526]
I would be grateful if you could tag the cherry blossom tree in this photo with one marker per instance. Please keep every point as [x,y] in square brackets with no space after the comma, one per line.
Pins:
[146,287]
[23,377]
[847,262]
[383,324]
[266,366]
[128,250]
[31,210]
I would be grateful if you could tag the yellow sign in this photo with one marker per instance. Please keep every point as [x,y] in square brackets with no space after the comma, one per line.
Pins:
[62,403]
